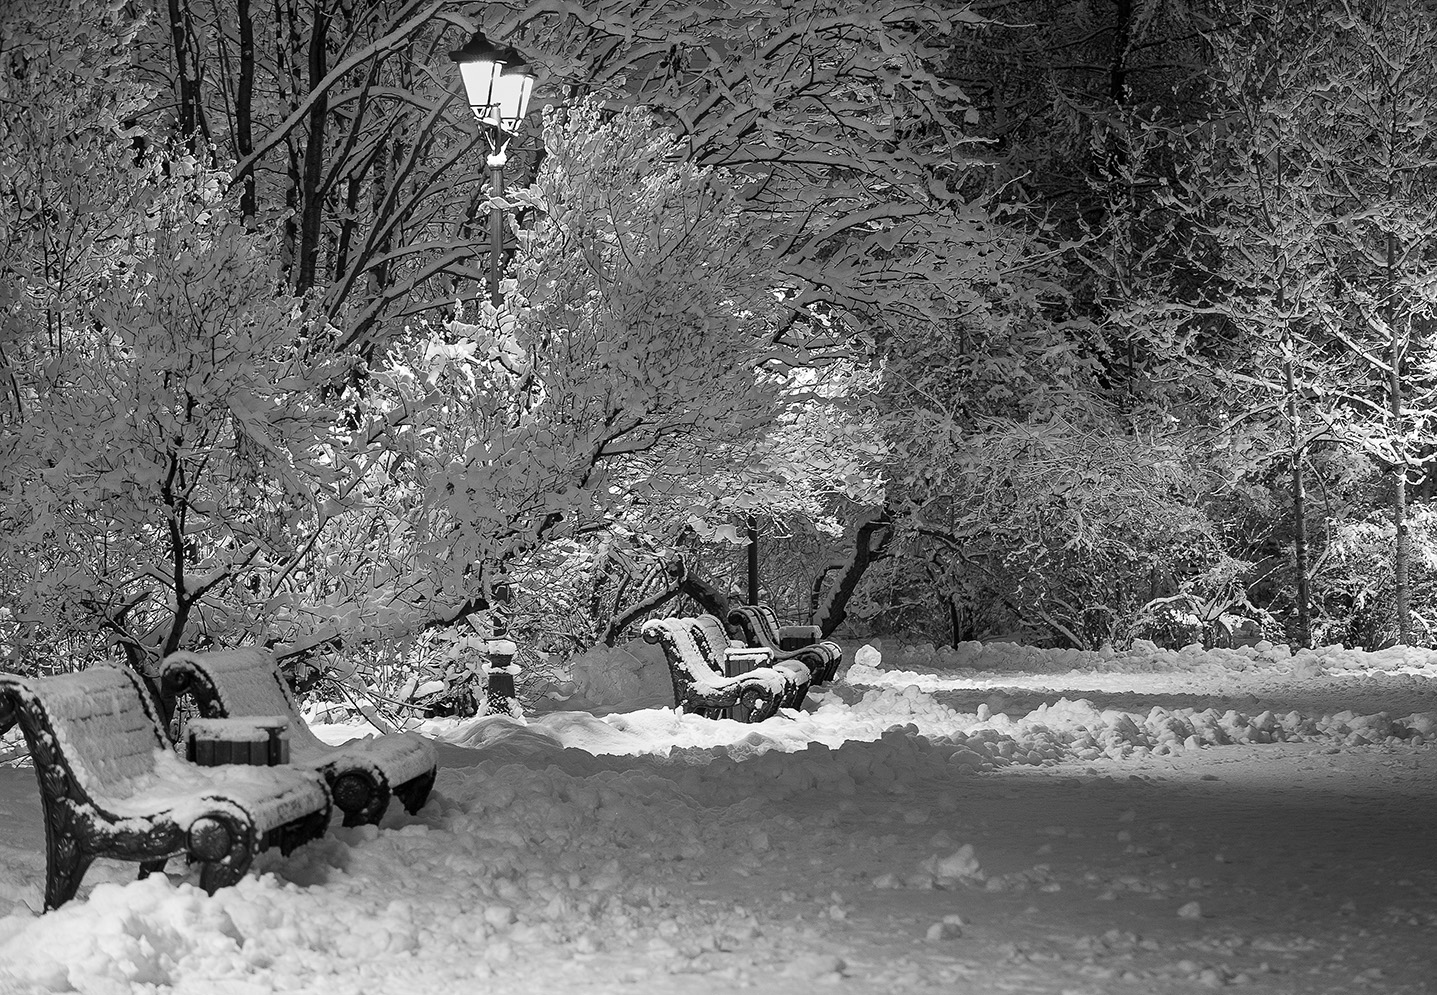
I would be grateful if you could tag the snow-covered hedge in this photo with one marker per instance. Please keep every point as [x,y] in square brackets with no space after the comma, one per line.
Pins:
[632,675]
[1142,657]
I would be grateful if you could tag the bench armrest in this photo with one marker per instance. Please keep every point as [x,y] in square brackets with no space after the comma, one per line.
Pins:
[761,656]
[791,637]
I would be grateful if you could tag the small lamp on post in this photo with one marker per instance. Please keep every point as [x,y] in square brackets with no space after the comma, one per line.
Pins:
[498,85]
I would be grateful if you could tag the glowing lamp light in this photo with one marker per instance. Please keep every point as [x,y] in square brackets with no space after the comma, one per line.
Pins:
[496,82]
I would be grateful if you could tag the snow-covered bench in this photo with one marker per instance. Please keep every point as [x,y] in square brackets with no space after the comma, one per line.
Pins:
[112,786]
[803,643]
[362,773]
[704,688]
[730,656]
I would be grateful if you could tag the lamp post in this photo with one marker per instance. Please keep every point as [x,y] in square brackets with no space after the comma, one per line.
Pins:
[498,86]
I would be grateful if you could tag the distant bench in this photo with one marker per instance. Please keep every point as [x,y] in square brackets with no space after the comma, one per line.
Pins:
[362,774]
[713,678]
[112,786]
[802,643]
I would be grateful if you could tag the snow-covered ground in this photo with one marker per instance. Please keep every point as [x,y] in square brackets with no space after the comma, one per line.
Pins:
[1143,822]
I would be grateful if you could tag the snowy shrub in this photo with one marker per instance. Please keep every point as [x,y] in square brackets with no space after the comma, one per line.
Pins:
[621,677]
[1066,518]
[1187,619]
[1353,595]
[1169,622]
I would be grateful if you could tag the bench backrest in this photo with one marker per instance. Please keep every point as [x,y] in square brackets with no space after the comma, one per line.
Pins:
[680,643]
[102,722]
[712,640]
[762,623]
[246,681]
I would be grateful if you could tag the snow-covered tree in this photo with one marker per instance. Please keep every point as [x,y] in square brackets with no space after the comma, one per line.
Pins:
[631,348]
[170,452]
[1312,187]
[1380,145]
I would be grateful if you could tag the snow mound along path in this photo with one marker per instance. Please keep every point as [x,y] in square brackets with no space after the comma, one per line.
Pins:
[511,865]
[1077,730]
[879,839]
[1143,657]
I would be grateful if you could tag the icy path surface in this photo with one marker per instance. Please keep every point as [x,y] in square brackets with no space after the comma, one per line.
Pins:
[1148,823]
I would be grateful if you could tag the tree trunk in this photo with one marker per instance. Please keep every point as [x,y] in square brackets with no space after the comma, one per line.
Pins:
[383,176]
[185,64]
[311,197]
[244,108]
[1299,493]
[1117,68]
[869,545]
[956,620]
[752,560]
[286,43]
[1399,476]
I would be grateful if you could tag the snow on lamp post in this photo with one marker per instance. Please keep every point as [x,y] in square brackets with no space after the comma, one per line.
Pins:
[497,85]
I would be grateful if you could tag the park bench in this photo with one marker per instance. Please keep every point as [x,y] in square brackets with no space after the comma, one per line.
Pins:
[729,656]
[751,693]
[802,643]
[112,786]
[363,774]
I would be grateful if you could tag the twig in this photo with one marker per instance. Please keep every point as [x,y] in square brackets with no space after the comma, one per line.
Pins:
[372,709]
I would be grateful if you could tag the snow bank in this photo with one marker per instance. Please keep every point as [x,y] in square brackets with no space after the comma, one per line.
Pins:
[621,678]
[548,840]
[1145,657]
[540,846]
[1077,730]
[511,863]
[1062,730]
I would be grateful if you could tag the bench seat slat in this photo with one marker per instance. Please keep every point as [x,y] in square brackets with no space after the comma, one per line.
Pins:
[182,791]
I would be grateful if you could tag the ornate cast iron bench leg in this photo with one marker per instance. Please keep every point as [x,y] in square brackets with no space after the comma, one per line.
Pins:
[225,847]
[359,795]
[413,794]
[67,865]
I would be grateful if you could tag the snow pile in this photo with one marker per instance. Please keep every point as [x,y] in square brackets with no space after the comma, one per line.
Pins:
[1145,657]
[1076,729]
[1055,731]
[634,675]
[512,864]
[576,851]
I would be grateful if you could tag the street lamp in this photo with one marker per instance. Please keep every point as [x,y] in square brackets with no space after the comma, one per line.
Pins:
[498,86]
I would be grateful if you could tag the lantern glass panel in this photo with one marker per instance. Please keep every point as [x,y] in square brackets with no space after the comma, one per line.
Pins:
[511,93]
[481,80]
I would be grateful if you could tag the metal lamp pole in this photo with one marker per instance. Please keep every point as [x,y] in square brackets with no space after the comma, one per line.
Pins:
[501,650]
[496,162]
[498,88]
